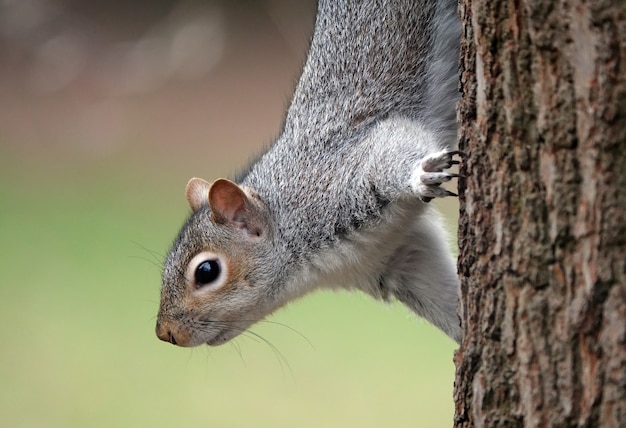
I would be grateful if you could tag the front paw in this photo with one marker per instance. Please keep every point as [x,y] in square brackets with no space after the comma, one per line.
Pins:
[430,174]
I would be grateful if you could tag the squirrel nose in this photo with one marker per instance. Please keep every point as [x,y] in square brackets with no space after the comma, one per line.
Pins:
[165,334]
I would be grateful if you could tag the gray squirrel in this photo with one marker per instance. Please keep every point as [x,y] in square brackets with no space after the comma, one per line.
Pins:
[340,199]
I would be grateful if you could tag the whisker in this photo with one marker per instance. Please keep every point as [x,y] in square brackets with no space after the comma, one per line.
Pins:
[280,357]
[235,345]
[306,339]
[158,257]
[152,262]
[253,321]
[223,324]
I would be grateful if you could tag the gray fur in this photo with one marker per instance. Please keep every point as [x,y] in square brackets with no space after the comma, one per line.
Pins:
[367,139]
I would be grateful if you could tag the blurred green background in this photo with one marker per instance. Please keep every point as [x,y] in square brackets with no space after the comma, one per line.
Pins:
[106,109]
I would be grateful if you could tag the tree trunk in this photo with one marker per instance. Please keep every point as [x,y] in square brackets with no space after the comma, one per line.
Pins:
[543,214]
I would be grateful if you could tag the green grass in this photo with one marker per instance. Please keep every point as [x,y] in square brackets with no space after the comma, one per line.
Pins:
[78,300]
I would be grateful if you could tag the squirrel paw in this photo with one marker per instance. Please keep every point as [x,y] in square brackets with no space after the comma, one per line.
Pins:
[427,178]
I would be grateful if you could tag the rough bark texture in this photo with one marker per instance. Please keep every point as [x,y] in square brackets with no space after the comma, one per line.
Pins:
[543,215]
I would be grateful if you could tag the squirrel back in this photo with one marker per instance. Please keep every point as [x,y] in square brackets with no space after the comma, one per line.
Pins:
[372,59]
[339,200]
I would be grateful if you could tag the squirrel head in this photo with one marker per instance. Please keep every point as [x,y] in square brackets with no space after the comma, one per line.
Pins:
[216,281]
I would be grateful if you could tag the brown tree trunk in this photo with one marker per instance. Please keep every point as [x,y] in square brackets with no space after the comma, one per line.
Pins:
[543,214]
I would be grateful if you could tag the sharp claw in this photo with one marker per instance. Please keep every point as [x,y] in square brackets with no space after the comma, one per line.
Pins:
[433,173]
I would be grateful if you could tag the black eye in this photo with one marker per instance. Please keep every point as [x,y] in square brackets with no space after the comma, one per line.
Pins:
[207,272]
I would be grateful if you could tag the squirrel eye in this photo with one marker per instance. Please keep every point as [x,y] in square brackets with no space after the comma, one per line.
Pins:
[207,272]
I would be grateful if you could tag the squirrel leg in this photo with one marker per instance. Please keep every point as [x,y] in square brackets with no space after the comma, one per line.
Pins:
[431,173]
[422,275]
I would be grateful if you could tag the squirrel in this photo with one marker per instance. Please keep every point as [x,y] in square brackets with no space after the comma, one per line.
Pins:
[340,198]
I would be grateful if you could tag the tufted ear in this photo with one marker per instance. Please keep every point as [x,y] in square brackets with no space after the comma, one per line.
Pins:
[230,204]
[197,193]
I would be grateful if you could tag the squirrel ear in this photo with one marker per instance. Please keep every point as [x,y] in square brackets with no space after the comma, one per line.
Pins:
[228,202]
[197,193]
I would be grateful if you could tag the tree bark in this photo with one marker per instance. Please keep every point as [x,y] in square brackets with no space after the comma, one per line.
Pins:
[542,231]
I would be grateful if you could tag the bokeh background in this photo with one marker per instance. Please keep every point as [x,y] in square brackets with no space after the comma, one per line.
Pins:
[106,109]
